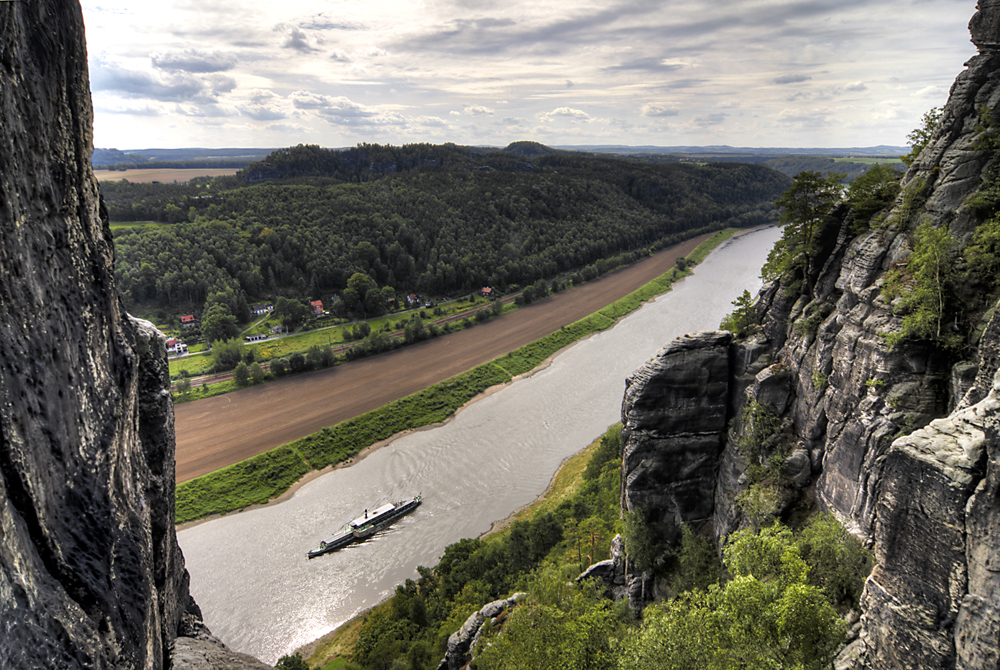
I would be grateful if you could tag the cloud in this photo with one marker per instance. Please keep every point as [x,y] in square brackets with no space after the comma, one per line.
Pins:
[168,87]
[647,64]
[791,79]
[565,113]
[478,110]
[656,111]
[295,38]
[429,121]
[709,120]
[814,118]
[343,111]
[260,112]
[210,111]
[855,86]
[192,60]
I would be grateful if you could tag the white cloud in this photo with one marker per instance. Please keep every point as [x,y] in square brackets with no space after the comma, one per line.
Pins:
[656,111]
[565,113]
[478,110]
[193,60]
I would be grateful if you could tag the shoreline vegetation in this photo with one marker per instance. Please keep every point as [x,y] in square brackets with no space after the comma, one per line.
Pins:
[269,476]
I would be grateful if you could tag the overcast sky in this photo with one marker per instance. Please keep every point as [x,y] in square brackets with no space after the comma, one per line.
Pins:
[780,73]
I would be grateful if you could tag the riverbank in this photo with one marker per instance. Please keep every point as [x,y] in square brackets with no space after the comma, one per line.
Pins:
[268,476]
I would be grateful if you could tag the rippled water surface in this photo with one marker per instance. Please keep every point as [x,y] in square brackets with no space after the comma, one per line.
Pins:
[249,571]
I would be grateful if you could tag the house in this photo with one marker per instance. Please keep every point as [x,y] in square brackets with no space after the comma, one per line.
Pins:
[261,308]
[486,292]
[255,338]
[413,300]
[317,307]
[189,321]
[175,347]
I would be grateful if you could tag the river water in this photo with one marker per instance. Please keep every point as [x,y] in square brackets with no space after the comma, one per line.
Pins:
[249,571]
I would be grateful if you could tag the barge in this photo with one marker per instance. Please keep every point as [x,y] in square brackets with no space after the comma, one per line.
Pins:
[366,525]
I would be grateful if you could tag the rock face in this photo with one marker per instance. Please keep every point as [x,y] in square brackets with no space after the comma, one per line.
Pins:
[90,572]
[673,423]
[901,444]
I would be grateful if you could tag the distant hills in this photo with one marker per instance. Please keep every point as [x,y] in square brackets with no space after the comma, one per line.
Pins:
[179,158]
[242,157]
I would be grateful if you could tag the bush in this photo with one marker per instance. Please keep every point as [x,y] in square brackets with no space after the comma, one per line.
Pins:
[839,562]
[279,367]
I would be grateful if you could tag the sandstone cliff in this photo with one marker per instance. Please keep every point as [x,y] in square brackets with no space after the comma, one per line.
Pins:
[864,429]
[90,572]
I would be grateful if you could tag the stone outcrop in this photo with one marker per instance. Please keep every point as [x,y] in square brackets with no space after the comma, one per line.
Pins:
[462,641]
[90,572]
[673,422]
[901,444]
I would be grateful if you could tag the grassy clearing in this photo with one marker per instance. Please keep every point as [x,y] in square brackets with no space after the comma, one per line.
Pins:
[165,175]
[115,227]
[250,482]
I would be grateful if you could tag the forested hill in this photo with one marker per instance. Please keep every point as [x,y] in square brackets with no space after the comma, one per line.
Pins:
[431,219]
[368,161]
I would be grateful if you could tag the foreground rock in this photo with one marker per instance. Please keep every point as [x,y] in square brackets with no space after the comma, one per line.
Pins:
[901,444]
[90,572]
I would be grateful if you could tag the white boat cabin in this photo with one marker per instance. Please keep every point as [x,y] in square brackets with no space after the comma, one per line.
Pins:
[369,517]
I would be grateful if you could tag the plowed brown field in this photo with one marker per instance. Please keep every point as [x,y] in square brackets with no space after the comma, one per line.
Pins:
[226,429]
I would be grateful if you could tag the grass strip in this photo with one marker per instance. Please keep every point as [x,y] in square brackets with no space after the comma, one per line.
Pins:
[250,482]
[268,475]
[436,403]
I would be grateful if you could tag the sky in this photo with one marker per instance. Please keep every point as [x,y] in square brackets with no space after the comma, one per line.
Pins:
[747,73]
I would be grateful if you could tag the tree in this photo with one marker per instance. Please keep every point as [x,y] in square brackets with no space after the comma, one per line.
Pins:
[839,563]
[291,313]
[806,212]
[293,662]
[256,373]
[241,375]
[743,318]
[218,323]
[926,288]
[921,136]
[227,353]
[767,616]
[183,385]
[872,192]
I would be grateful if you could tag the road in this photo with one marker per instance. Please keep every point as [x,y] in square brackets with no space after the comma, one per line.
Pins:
[219,431]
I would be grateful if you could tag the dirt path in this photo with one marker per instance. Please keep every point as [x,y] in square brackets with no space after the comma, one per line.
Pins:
[226,429]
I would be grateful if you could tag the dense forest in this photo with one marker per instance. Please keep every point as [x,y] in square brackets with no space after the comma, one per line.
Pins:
[420,218]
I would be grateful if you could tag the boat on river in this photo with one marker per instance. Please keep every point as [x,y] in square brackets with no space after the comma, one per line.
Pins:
[366,525]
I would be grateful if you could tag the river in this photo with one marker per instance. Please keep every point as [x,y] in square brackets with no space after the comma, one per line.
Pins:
[249,571]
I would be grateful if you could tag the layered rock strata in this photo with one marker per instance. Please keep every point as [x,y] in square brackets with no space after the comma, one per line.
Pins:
[900,443]
[90,572]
